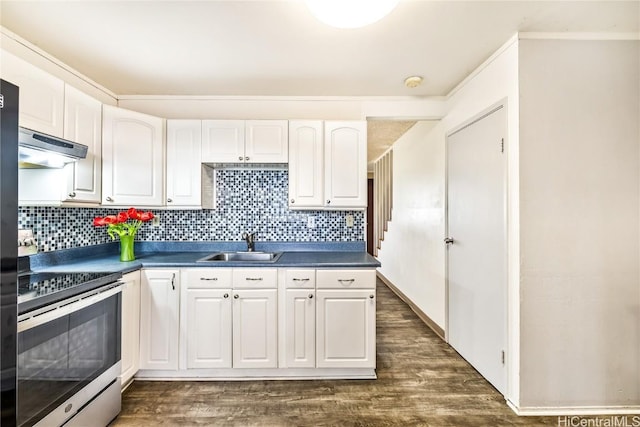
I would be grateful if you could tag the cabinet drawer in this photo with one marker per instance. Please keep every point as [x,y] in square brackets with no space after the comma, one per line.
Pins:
[300,279]
[346,279]
[207,278]
[253,278]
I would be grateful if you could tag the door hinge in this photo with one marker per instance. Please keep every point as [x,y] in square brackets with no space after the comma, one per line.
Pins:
[502,145]
[503,357]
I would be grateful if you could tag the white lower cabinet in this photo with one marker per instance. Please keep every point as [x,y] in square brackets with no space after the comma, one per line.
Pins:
[130,345]
[255,325]
[209,328]
[159,321]
[300,328]
[346,319]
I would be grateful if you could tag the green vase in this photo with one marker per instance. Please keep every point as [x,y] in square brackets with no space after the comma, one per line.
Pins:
[126,248]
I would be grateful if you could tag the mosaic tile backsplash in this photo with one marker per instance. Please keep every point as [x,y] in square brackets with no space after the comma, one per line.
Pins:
[246,200]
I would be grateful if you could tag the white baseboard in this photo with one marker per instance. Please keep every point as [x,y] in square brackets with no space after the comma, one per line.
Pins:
[542,411]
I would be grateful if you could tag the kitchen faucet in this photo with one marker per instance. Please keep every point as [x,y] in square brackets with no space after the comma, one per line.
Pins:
[250,239]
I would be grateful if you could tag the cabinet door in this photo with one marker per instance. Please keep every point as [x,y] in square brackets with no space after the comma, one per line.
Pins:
[130,348]
[41,95]
[266,141]
[223,141]
[255,328]
[306,164]
[83,124]
[208,328]
[184,173]
[345,149]
[159,326]
[346,329]
[132,158]
[300,328]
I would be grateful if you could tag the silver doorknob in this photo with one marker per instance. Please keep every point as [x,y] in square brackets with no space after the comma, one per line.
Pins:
[310,296]
[240,158]
[246,158]
[109,199]
[226,295]
[169,200]
[328,202]
[371,296]
[293,200]
[236,296]
[448,240]
[73,194]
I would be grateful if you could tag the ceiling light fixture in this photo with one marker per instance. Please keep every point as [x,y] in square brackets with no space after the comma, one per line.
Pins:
[350,13]
[413,81]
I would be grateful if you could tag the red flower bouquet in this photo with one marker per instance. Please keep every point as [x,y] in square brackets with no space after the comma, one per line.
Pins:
[125,225]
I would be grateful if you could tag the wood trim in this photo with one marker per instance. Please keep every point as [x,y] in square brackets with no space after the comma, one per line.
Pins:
[421,314]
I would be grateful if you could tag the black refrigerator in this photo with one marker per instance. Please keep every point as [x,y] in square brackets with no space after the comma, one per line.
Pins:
[8,251]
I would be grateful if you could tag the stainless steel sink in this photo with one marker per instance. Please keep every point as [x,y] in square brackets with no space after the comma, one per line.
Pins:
[242,257]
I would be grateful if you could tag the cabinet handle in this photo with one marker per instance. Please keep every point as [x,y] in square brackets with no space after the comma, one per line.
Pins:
[209,278]
[169,201]
[371,296]
[254,279]
[293,201]
[349,281]
[109,199]
[240,158]
[225,296]
[173,281]
[246,158]
[72,194]
[310,296]
[236,296]
[328,202]
[295,279]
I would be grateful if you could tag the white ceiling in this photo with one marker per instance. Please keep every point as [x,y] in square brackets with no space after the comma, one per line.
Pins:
[252,48]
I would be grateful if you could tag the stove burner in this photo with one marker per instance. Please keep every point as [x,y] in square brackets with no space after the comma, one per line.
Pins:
[37,290]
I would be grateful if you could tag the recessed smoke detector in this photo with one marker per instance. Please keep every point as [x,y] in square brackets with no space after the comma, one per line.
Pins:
[413,81]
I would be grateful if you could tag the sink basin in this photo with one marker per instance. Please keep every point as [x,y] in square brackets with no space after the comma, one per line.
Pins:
[242,257]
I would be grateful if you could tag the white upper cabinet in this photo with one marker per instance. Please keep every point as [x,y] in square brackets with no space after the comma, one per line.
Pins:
[328,165]
[132,158]
[345,153]
[306,163]
[240,141]
[266,141]
[222,141]
[41,95]
[184,174]
[83,124]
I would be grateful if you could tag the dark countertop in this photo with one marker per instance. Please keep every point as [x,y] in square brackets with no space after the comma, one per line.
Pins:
[105,258]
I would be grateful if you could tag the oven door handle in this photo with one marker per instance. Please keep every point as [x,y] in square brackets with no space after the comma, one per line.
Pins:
[63,308]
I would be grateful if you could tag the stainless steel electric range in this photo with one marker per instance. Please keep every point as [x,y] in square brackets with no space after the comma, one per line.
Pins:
[68,348]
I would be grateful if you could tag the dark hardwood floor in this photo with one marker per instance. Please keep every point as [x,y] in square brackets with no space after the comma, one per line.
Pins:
[421,382]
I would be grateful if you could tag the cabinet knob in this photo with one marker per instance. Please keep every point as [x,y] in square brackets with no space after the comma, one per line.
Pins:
[310,296]
[72,194]
[293,201]
[169,200]
[236,296]
[225,296]
[109,199]
[371,296]
[328,202]
[240,158]
[246,158]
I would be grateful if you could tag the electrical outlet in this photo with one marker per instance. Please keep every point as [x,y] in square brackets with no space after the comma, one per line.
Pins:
[349,220]
[155,222]
[311,222]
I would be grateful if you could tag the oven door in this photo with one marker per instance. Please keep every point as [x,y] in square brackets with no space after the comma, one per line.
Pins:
[62,350]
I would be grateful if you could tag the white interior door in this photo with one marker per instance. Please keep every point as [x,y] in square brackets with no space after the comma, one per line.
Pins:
[476,258]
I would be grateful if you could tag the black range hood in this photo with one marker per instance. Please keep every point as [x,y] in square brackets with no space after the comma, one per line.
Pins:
[39,150]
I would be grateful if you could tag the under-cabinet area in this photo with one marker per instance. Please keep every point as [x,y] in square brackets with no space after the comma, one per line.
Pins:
[251,323]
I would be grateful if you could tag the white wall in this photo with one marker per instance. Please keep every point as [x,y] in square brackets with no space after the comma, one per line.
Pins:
[580,216]
[412,253]
[274,107]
